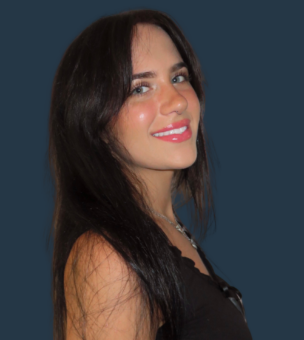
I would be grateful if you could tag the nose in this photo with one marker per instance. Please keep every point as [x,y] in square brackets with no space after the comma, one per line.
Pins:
[172,100]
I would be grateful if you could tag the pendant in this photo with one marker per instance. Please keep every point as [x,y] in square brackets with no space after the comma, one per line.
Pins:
[182,230]
[193,244]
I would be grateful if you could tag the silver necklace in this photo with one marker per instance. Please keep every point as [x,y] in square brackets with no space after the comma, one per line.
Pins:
[182,230]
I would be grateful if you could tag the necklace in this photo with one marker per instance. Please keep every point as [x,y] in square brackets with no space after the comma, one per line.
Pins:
[182,230]
[227,289]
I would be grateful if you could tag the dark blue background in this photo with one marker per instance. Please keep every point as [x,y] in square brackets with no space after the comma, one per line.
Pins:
[252,55]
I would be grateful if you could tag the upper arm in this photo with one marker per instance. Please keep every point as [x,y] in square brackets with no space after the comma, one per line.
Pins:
[102,295]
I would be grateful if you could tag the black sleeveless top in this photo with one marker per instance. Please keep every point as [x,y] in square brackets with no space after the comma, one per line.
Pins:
[214,309]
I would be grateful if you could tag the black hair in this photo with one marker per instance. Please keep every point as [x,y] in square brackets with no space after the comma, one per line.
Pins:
[96,192]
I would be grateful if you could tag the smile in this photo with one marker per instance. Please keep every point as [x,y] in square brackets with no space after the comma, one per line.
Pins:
[175,135]
[171,132]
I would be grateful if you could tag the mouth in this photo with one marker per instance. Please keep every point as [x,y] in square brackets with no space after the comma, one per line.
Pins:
[176,132]
[173,128]
[171,132]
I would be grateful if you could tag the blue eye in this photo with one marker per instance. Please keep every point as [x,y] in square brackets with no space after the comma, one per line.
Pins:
[138,87]
[182,74]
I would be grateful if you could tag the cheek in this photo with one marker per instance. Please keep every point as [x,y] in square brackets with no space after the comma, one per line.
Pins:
[135,122]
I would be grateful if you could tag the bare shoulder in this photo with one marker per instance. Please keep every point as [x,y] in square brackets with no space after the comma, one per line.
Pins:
[92,255]
[102,294]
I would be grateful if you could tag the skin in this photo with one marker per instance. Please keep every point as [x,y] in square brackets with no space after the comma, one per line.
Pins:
[166,99]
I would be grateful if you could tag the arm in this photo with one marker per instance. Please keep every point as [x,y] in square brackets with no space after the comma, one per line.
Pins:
[102,295]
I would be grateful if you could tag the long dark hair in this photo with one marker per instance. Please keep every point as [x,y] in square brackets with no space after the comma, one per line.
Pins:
[96,191]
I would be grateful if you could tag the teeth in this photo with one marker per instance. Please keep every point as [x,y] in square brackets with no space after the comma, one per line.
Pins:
[171,132]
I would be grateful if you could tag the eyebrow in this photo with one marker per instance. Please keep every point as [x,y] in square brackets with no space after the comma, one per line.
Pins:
[152,74]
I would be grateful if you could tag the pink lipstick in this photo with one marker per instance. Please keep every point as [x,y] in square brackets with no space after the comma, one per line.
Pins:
[175,132]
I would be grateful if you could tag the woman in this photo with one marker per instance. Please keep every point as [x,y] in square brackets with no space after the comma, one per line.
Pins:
[126,135]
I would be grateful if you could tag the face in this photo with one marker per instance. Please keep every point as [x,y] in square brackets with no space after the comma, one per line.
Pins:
[156,102]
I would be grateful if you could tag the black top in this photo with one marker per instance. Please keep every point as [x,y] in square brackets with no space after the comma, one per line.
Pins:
[213,308]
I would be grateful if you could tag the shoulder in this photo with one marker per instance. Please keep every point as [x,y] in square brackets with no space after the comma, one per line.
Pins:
[95,268]
[102,293]
[91,254]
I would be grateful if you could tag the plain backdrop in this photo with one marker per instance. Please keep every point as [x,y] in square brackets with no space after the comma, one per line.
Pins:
[251,53]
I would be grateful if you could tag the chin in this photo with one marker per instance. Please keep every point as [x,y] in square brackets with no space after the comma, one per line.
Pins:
[185,160]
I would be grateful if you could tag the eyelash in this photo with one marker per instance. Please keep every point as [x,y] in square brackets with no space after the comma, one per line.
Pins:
[184,74]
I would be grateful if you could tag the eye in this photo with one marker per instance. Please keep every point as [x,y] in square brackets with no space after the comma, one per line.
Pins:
[137,89]
[182,74]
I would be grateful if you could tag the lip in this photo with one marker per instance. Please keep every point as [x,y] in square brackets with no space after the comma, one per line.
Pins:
[176,125]
[176,137]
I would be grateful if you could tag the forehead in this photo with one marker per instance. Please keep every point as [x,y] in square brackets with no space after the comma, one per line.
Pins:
[151,44]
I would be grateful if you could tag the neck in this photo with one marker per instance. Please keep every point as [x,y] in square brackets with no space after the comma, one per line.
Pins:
[159,183]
